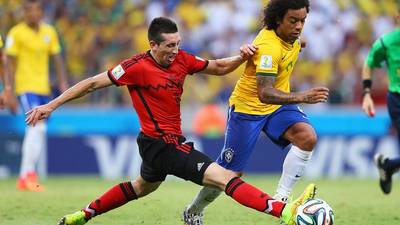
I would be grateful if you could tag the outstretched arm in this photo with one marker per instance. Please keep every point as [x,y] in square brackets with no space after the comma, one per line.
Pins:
[78,90]
[268,94]
[226,65]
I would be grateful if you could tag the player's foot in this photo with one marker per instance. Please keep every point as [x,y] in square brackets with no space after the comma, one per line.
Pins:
[385,177]
[29,182]
[192,218]
[289,212]
[77,218]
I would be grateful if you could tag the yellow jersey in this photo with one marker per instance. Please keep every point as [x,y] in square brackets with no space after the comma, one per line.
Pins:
[274,57]
[1,42]
[31,50]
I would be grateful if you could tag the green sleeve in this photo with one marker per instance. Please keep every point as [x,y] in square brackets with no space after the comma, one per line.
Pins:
[266,74]
[377,54]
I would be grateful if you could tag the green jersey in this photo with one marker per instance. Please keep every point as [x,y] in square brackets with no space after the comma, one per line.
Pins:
[387,49]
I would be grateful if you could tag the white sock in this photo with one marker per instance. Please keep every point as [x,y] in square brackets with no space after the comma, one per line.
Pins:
[293,169]
[32,146]
[205,196]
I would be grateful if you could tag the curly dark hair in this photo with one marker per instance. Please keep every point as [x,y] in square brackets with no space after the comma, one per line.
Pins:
[277,9]
[161,25]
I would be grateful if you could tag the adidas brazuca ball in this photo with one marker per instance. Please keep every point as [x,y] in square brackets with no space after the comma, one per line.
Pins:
[314,212]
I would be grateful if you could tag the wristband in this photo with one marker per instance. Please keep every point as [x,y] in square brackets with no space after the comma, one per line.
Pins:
[367,83]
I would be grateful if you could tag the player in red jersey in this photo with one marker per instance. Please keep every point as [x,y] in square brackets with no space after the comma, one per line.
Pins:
[155,80]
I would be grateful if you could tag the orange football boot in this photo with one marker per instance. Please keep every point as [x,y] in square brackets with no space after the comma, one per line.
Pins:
[29,182]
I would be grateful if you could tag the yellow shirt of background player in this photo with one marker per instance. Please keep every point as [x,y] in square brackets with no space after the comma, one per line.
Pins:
[32,50]
[1,42]
[274,57]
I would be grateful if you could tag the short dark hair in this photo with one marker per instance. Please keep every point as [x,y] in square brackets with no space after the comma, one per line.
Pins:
[161,25]
[277,9]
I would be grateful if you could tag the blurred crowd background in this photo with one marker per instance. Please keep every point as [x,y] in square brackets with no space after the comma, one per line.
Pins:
[97,34]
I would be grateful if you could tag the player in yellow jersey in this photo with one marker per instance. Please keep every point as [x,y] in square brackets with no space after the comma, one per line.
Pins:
[7,98]
[263,102]
[29,46]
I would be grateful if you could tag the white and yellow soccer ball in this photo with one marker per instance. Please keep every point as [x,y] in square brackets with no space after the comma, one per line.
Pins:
[315,212]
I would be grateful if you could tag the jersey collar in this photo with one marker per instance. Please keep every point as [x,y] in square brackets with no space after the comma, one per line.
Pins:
[151,56]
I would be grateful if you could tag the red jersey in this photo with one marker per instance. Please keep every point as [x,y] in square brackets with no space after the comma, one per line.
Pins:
[156,90]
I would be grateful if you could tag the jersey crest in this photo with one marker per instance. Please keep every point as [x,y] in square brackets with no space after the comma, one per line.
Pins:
[118,71]
[266,62]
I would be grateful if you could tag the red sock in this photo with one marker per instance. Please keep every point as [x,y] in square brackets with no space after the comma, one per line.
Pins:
[250,196]
[113,198]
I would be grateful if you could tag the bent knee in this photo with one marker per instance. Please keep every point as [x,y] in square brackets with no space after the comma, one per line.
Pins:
[307,142]
[143,188]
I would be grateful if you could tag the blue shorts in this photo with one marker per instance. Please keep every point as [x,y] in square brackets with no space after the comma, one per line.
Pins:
[29,101]
[243,130]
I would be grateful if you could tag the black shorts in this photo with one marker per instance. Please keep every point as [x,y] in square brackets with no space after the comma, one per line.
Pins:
[171,155]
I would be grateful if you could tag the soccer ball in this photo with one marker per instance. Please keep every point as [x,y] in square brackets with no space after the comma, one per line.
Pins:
[314,212]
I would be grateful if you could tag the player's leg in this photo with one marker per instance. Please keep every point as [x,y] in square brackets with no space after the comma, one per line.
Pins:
[303,139]
[115,197]
[393,164]
[195,166]
[385,176]
[290,125]
[385,165]
[242,192]
[152,174]
[241,134]
[250,196]
[33,144]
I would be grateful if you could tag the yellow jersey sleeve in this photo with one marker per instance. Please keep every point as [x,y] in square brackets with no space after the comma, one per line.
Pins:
[267,58]
[55,47]
[12,47]
[1,42]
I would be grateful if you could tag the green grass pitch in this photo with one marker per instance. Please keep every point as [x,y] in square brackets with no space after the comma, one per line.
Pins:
[353,201]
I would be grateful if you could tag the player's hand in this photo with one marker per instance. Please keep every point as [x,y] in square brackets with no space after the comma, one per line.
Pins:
[38,113]
[315,95]
[247,51]
[368,105]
